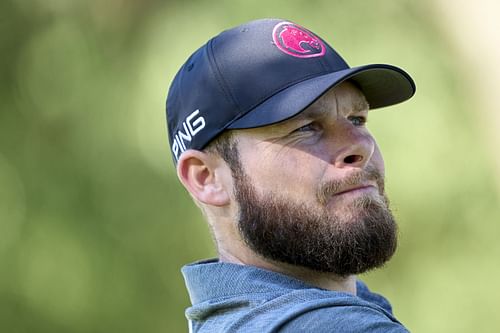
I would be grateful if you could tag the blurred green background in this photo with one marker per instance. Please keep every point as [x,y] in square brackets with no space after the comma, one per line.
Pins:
[94,226]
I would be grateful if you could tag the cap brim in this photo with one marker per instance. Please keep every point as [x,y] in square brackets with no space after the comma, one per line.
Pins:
[382,85]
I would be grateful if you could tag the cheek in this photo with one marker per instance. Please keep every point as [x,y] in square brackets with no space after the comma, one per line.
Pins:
[377,160]
[290,172]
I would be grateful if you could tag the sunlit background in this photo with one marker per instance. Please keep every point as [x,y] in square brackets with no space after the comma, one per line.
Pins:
[94,226]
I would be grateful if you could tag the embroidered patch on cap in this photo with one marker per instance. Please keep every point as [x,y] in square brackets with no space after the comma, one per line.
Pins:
[297,41]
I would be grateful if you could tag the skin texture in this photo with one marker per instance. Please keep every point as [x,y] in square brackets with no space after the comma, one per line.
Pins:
[317,159]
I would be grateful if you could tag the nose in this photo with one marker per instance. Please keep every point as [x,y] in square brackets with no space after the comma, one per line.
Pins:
[355,150]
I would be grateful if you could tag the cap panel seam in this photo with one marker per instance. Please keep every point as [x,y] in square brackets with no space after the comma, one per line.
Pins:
[214,66]
[321,60]
[323,63]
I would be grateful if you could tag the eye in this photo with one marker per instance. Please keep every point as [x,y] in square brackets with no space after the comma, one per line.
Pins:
[306,128]
[358,120]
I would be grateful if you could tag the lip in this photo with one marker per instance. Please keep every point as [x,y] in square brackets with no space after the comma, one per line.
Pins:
[356,189]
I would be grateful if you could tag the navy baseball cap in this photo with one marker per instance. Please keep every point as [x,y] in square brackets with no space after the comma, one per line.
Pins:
[261,73]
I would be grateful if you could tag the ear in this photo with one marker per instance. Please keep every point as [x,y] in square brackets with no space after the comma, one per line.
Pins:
[198,172]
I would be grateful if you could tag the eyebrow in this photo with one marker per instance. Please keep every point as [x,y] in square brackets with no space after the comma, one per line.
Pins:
[312,112]
[361,105]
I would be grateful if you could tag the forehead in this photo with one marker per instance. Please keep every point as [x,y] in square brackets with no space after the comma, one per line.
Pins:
[345,98]
[341,100]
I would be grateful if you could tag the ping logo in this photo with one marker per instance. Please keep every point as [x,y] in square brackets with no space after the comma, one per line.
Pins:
[297,41]
[192,126]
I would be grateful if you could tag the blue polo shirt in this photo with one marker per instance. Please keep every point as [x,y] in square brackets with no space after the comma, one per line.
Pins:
[238,298]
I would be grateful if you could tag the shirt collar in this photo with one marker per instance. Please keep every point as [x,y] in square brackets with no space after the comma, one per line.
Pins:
[211,279]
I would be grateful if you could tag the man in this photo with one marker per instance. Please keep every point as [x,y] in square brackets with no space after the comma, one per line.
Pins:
[267,129]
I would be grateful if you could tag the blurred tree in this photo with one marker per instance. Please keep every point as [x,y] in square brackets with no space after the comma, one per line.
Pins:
[474,29]
[94,225]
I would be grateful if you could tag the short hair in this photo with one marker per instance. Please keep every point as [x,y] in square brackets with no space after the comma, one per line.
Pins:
[225,146]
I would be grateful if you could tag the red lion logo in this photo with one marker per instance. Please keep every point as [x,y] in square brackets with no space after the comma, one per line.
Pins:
[297,41]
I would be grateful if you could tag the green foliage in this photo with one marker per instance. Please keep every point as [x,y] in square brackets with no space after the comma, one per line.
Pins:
[94,226]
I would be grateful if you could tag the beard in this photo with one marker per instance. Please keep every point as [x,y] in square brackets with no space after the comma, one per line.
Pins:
[358,237]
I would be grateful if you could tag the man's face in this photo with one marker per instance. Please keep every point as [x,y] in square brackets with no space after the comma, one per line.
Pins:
[310,189]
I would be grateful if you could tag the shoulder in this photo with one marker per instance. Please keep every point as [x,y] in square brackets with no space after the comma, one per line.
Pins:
[346,318]
[320,311]
[297,311]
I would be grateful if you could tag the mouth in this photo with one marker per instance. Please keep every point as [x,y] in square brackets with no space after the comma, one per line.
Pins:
[357,190]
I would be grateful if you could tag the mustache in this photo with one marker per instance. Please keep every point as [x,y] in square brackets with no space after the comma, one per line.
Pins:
[371,174]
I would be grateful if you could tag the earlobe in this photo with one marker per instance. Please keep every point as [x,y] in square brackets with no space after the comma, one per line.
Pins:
[197,171]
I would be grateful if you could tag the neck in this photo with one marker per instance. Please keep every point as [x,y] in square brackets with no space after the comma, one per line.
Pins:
[232,249]
[329,281]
